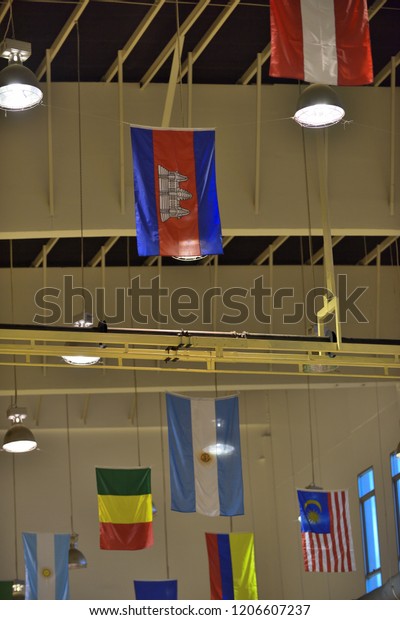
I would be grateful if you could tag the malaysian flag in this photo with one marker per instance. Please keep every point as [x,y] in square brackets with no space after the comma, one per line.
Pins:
[326,531]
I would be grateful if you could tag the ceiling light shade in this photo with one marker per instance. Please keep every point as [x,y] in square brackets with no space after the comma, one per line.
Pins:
[189,259]
[85,321]
[18,590]
[76,559]
[19,86]
[18,438]
[80,360]
[318,107]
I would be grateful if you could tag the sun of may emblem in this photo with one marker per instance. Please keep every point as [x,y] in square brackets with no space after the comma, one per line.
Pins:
[46,572]
[205,457]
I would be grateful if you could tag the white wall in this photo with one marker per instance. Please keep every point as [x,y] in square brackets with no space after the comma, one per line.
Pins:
[352,429]
[28,281]
[359,161]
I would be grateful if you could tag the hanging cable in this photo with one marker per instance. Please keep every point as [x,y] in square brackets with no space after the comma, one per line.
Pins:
[307,182]
[13,317]
[135,412]
[78,54]
[69,466]
[178,35]
[15,517]
[308,378]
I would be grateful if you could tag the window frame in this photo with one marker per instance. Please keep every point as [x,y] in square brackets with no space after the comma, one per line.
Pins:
[367,543]
[396,503]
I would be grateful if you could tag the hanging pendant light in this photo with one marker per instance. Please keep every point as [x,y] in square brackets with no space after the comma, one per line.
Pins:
[18,590]
[19,86]
[318,107]
[85,321]
[19,438]
[189,259]
[76,559]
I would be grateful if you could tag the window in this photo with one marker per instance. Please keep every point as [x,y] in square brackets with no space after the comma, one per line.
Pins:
[395,469]
[369,526]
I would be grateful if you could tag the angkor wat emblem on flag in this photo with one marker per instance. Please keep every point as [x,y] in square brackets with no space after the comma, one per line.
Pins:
[171,194]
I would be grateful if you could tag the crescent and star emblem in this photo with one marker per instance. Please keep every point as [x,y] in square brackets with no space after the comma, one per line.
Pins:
[312,510]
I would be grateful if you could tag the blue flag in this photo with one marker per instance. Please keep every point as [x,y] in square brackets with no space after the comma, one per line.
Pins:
[204,455]
[46,566]
[156,590]
[175,192]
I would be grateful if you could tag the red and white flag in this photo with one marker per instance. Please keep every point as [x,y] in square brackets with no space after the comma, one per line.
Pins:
[321,41]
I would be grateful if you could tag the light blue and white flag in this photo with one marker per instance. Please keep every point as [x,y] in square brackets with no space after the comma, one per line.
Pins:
[46,566]
[204,455]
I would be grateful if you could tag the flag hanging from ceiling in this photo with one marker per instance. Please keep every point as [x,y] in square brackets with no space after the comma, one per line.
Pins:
[326,531]
[232,566]
[204,455]
[175,192]
[46,566]
[164,590]
[125,508]
[321,41]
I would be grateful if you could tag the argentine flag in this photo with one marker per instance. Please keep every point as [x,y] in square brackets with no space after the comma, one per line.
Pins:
[204,455]
[46,566]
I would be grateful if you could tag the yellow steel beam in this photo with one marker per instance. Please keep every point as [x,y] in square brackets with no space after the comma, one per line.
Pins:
[233,353]
[134,39]
[126,337]
[268,370]
[62,36]
[169,48]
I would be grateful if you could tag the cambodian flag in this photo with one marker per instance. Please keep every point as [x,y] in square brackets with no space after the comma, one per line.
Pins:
[175,192]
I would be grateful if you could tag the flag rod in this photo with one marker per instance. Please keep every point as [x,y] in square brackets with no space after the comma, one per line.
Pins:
[173,79]
[392,133]
[190,90]
[331,305]
[50,134]
[258,137]
[121,130]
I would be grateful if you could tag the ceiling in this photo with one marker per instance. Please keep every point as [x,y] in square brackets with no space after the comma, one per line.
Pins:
[224,37]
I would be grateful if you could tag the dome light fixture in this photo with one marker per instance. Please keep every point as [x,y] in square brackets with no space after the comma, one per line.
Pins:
[76,559]
[318,107]
[19,86]
[82,360]
[189,259]
[18,438]
[18,590]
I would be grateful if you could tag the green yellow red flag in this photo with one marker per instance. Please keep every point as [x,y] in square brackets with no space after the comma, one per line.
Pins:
[125,508]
